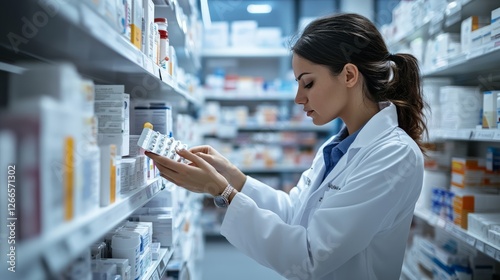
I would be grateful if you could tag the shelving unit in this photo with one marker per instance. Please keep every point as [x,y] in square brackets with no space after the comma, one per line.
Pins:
[246,52]
[469,238]
[159,267]
[489,135]
[51,31]
[477,67]
[57,248]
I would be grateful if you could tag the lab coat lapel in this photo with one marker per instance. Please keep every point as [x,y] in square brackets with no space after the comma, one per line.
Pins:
[340,167]
[385,119]
[316,174]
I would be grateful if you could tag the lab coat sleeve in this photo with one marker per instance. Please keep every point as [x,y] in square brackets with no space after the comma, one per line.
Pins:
[340,228]
[277,201]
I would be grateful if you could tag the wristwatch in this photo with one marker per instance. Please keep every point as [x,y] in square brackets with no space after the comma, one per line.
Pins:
[222,200]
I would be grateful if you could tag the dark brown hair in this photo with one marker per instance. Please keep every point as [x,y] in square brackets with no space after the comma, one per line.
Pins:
[339,39]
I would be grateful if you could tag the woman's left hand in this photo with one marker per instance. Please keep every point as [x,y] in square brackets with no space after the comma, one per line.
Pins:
[199,176]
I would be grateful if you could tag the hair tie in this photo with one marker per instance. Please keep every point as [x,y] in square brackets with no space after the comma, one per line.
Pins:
[391,56]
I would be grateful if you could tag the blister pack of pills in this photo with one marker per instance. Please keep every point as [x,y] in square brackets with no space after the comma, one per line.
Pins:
[160,144]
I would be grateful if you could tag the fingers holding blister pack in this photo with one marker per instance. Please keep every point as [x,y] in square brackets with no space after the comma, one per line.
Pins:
[155,142]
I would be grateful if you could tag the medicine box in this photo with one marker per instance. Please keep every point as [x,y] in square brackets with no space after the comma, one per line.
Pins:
[481,223]
[136,24]
[112,108]
[243,33]
[468,26]
[489,108]
[463,204]
[495,24]
[467,172]
[216,35]
[148,28]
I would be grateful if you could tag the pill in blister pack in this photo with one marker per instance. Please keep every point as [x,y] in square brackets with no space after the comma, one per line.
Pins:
[160,144]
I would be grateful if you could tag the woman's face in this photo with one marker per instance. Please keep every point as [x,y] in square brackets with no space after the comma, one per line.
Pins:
[322,94]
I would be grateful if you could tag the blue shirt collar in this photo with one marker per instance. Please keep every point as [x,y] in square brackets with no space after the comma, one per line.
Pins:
[345,142]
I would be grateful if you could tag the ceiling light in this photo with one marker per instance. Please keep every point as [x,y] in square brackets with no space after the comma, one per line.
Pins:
[259,9]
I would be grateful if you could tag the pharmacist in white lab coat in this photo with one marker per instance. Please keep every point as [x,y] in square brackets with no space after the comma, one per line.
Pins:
[349,215]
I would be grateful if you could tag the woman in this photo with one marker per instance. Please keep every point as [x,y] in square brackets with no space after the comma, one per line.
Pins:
[349,215]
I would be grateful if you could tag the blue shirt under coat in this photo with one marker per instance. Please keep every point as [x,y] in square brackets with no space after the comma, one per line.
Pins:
[336,149]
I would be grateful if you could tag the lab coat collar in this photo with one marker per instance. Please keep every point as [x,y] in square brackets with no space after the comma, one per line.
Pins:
[385,119]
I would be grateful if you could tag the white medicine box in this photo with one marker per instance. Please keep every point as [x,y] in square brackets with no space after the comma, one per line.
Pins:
[243,33]
[495,24]
[269,37]
[216,35]
[469,25]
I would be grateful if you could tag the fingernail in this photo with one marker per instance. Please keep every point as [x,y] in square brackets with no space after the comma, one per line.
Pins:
[182,148]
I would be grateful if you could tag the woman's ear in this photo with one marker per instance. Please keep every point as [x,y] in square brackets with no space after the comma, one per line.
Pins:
[351,74]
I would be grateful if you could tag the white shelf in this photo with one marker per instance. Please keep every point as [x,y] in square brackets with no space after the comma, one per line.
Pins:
[407,272]
[418,32]
[285,127]
[481,59]
[489,135]
[59,247]
[246,52]
[446,22]
[78,34]
[242,96]
[463,235]
[274,169]
[159,267]
[465,9]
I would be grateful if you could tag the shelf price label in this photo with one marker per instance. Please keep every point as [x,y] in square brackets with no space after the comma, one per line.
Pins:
[148,65]
[496,137]
[470,240]
[490,251]
[480,245]
[137,198]
[460,234]
[484,134]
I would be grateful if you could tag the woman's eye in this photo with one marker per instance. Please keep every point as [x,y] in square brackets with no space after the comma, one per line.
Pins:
[309,85]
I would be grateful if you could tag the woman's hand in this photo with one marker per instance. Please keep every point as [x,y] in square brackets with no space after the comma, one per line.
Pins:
[198,177]
[232,174]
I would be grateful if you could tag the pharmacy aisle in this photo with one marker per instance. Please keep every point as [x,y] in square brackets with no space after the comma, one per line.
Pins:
[218,251]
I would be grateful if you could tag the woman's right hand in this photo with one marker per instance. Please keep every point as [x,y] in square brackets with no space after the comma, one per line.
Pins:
[232,174]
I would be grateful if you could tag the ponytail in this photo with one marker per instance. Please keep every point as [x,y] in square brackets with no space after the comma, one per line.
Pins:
[405,92]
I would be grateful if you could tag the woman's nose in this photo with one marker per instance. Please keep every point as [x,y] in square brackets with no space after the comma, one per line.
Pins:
[299,97]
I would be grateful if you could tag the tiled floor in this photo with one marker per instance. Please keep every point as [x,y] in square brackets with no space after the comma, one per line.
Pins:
[222,261]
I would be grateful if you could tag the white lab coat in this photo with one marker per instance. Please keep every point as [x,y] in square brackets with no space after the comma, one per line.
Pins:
[353,225]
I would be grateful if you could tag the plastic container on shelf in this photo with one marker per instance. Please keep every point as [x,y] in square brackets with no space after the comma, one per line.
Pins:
[162,23]
[126,245]
[164,48]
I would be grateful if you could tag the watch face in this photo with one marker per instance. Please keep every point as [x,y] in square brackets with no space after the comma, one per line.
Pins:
[221,201]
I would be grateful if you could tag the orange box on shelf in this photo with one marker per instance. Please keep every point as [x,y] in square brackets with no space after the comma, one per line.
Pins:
[467,172]
[463,204]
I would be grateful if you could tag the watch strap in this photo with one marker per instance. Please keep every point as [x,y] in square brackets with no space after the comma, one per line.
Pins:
[227,192]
